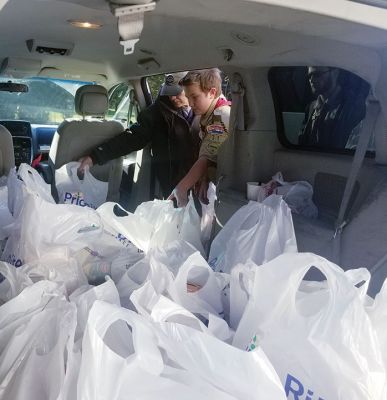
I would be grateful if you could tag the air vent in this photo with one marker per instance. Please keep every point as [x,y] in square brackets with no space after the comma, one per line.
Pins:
[373,3]
[53,48]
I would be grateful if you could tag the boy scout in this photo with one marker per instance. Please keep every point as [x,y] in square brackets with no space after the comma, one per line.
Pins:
[203,89]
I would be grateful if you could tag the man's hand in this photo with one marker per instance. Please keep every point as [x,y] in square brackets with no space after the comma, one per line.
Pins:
[86,162]
[180,195]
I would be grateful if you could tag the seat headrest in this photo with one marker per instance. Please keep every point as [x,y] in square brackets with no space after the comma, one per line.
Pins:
[91,100]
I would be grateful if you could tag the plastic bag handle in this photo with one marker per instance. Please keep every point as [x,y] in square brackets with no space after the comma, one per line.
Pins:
[27,172]
[299,264]
[10,274]
[103,315]
[336,282]
[238,273]
[73,171]
[182,276]
[358,276]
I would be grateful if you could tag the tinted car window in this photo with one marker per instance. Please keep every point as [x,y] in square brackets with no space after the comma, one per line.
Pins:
[319,108]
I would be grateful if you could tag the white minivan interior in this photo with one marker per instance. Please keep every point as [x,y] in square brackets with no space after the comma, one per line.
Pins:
[271,54]
[116,281]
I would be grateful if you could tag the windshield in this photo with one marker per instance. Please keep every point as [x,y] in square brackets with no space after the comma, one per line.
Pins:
[48,101]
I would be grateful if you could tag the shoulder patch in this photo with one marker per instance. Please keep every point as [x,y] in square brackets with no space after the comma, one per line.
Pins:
[224,113]
[215,129]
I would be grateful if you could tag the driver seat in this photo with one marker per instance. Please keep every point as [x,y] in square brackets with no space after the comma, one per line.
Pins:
[75,139]
[7,156]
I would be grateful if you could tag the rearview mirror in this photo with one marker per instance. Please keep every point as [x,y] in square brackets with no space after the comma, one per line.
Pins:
[13,87]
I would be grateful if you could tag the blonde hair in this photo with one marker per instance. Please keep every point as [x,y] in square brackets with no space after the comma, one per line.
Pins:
[206,78]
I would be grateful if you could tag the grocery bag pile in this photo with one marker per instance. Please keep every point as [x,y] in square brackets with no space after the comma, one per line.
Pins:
[106,304]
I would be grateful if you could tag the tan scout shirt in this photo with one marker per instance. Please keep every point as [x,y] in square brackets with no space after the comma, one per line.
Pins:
[214,129]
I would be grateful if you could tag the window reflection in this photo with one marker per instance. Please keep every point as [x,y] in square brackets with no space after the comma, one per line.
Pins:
[320,107]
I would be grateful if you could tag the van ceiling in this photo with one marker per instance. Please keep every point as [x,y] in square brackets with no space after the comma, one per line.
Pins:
[187,34]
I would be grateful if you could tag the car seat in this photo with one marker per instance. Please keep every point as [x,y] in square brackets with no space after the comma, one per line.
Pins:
[7,157]
[74,139]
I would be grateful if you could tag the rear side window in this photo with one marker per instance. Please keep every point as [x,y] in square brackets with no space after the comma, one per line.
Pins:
[319,108]
[155,82]
[123,105]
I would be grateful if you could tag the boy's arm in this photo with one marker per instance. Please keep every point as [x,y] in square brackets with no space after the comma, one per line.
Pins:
[197,171]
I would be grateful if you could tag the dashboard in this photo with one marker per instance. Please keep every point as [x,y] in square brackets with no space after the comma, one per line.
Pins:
[29,140]
[22,140]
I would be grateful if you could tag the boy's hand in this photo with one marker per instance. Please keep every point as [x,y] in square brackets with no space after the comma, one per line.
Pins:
[85,162]
[180,195]
[202,193]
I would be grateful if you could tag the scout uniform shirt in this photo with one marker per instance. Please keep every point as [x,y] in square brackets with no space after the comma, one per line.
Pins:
[214,128]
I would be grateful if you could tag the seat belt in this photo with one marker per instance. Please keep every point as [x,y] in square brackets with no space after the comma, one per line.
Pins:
[237,96]
[237,121]
[373,110]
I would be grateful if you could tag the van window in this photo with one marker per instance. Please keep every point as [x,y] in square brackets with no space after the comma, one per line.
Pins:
[154,84]
[123,106]
[318,108]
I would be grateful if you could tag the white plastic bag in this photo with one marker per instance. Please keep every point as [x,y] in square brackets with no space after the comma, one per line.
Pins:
[208,214]
[240,374]
[166,310]
[377,312]
[23,182]
[15,193]
[34,182]
[84,299]
[129,354]
[207,297]
[35,330]
[6,218]
[158,268]
[120,349]
[257,231]
[12,282]
[321,341]
[188,280]
[169,223]
[86,192]
[241,286]
[96,266]
[125,227]
[66,272]
[298,196]
[50,231]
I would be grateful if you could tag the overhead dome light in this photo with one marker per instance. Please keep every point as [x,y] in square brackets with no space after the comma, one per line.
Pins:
[84,24]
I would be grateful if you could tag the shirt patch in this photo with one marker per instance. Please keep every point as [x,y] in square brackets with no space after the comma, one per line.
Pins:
[215,129]
[212,148]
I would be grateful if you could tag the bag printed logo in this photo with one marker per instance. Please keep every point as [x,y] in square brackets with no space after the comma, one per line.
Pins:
[85,192]
[123,240]
[77,199]
[253,344]
[295,390]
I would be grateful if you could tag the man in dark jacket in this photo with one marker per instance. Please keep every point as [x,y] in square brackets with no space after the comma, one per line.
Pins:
[335,116]
[171,129]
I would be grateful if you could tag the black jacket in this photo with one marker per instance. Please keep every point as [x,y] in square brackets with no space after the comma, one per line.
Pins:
[331,124]
[174,143]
